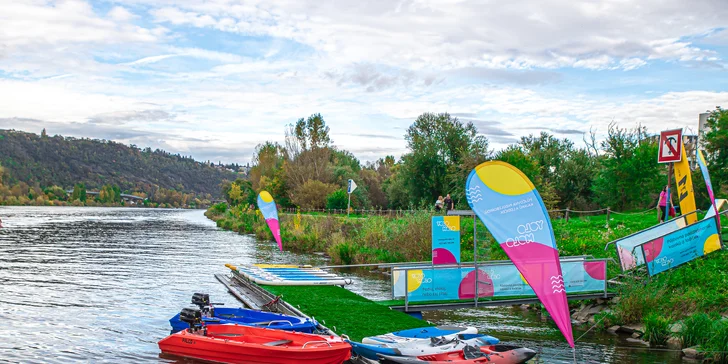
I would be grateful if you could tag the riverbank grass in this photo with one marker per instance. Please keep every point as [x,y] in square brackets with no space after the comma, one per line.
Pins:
[346,312]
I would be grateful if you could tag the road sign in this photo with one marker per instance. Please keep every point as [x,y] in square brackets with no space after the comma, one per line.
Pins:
[352,186]
[670,146]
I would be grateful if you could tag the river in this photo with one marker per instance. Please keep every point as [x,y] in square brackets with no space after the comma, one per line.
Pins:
[82,284]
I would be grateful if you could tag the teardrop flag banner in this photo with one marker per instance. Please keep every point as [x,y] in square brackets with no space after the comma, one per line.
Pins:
[267,207]
[508,204]
[704,169]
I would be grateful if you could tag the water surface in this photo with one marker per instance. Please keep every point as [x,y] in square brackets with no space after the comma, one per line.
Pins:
[82,284]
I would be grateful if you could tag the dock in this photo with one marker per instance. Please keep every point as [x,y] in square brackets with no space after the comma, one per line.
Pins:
[337,310]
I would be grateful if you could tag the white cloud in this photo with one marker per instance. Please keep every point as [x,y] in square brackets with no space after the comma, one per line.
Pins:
[443,33]
[68,22]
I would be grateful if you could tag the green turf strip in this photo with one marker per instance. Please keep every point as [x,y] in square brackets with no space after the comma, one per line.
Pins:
[346,312]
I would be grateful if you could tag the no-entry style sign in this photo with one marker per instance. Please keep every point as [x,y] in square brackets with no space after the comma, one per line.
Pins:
[670,146]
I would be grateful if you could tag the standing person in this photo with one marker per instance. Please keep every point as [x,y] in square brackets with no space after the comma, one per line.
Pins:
[448,203]
[438,204]
[662,203]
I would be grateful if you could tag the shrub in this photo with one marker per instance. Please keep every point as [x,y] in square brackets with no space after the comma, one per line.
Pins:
[219,208]
[696,330]
[337,200]
[312,194]
[657,329]
[717,346]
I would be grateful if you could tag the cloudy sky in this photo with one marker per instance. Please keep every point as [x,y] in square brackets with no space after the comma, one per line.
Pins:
[213,78]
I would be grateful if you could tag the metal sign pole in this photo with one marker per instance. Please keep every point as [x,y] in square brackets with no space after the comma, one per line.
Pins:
[475,257]
[668,199]
[348,205]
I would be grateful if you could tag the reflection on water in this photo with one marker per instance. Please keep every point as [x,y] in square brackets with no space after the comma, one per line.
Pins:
[99,284]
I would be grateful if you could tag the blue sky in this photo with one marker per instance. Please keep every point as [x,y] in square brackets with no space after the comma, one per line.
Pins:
[214,78]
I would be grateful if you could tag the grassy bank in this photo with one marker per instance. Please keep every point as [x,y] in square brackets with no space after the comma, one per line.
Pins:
[346,312]
[699,287]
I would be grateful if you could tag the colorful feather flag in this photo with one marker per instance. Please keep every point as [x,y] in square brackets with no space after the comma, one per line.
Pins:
[268,208]
[514,213]
[704,169]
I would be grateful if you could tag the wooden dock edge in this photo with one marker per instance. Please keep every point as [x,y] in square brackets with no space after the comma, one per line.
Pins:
[253,296]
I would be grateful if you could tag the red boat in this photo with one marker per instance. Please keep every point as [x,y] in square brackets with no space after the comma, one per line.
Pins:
[494,354]
[254,345]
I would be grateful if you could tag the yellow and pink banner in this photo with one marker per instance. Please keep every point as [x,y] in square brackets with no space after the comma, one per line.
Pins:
[268,208]
[510,207]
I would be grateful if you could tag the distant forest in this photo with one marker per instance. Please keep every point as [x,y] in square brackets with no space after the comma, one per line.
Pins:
[44,161]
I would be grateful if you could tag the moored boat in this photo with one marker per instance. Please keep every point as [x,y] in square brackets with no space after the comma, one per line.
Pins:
[495,354]
[230,343]
[426,333]
[212,315]
[422,346]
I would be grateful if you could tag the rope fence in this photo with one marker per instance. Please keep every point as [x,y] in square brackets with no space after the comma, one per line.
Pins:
[565,214]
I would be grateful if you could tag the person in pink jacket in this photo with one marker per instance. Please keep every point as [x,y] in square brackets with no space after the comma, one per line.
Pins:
[662,203]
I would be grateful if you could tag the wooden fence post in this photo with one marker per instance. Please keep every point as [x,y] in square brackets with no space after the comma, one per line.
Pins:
[567,215]
[608,212]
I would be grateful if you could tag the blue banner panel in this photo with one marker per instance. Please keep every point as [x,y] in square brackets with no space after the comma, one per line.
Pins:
[445,239]
[503,280]
[681,246]
[629,257]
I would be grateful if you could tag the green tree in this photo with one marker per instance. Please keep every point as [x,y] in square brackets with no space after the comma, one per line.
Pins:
[337,200]
[630,176]
[79,192]
[716,146]
[438,145]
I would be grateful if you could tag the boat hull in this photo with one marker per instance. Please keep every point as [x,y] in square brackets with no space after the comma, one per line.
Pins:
[448,332]
[246,345]
[242,316]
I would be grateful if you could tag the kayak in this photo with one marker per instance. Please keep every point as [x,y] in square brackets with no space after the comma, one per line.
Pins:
[253,345]
[422,346]
[446,332]
[212,315]
[495,354]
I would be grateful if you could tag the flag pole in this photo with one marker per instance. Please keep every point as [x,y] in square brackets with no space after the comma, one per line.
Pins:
[668,199]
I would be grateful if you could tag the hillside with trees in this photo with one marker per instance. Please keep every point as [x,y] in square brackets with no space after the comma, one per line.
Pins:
[620,172]
[33,163]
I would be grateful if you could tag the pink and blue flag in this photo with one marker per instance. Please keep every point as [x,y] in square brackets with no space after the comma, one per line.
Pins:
[704,169]
[268,208]
[514,213]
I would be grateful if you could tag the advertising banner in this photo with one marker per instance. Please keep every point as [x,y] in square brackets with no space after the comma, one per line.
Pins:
[681,246]
[629,257]
[445,239]
[685,192]
[442,284]
[512,210]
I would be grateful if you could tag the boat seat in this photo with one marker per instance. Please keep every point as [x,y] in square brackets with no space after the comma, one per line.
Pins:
[278,342]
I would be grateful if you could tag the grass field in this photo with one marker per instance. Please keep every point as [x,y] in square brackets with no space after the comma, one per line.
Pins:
[346,312]
[698,287]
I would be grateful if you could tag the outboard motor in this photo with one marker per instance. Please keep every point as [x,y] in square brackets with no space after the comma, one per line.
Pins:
[201,300]
[193,317]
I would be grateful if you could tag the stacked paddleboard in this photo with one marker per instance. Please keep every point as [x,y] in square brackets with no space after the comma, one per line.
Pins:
[289,275]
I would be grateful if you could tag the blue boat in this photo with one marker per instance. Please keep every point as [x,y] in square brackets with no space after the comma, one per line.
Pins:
[419,347]
[212,315]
